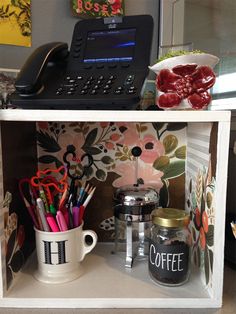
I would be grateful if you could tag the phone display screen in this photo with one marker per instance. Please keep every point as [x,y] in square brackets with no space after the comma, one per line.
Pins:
[110,46]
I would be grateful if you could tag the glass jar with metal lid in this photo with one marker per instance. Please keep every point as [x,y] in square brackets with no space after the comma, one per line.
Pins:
[169,247]
[133,207]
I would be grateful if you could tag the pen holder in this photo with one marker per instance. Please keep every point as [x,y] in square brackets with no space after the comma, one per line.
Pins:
[59,254]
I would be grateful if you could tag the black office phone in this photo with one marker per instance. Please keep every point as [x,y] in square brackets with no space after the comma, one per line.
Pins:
[105,68]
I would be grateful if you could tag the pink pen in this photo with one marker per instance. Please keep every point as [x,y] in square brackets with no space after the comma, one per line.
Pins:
[61,221]
[52,223]
[66,217]
[75,211]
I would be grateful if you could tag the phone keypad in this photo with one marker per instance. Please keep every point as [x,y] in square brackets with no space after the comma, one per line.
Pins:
[95,85]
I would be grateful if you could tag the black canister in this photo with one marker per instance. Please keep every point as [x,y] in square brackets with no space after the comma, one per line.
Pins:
[169,248]
[133,207]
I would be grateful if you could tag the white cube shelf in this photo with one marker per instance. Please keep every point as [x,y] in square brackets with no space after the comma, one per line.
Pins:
[106,283]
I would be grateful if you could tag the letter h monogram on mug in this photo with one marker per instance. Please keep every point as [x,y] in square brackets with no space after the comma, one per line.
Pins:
[59,254]
[57,210]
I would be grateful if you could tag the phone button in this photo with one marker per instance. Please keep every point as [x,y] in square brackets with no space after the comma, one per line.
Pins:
[119,88]
[131,90]
[83,92]
[88,66]
[78,44]
[70,92]
[129,79]
[125,64]
[86,87]
[118,92]
[100,66]
[90,78]
[88,83]
[112,65]
[106,87]
[71,81]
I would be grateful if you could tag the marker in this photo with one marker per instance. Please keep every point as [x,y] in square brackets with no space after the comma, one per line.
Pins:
[66,217]
[52,209]
[52,223]
[43,197]
[75,211]
[41,211]
[61,221]
[38,218]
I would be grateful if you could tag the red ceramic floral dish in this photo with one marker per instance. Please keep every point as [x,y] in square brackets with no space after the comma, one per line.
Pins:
[186,85]
[185,82]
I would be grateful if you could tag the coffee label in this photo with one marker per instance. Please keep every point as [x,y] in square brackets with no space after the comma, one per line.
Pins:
[169,263]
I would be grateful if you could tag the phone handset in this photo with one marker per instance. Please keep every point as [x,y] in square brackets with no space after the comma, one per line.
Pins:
[29,80]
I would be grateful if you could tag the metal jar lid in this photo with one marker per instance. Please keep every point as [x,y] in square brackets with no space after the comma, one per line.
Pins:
[132,195]
[170,217]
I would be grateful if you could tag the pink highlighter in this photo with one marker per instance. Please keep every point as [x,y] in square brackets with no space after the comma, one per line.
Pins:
[66,217]
[52,223]
[61,221]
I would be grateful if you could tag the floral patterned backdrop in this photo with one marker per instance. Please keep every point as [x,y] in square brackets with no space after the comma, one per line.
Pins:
[202,209]
[161,163]
[200,195]
[14,235]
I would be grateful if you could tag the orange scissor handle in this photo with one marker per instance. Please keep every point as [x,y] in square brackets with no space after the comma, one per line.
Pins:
[37,180]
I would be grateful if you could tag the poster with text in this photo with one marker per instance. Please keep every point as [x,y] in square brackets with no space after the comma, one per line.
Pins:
[97,8]
[15,22]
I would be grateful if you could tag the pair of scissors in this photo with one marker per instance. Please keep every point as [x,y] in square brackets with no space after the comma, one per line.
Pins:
[70,156]
[46,182]
[67,160]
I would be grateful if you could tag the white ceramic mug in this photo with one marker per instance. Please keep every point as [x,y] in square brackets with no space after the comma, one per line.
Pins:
[59,254]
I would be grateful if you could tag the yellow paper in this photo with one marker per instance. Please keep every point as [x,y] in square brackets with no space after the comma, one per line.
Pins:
[15,22]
